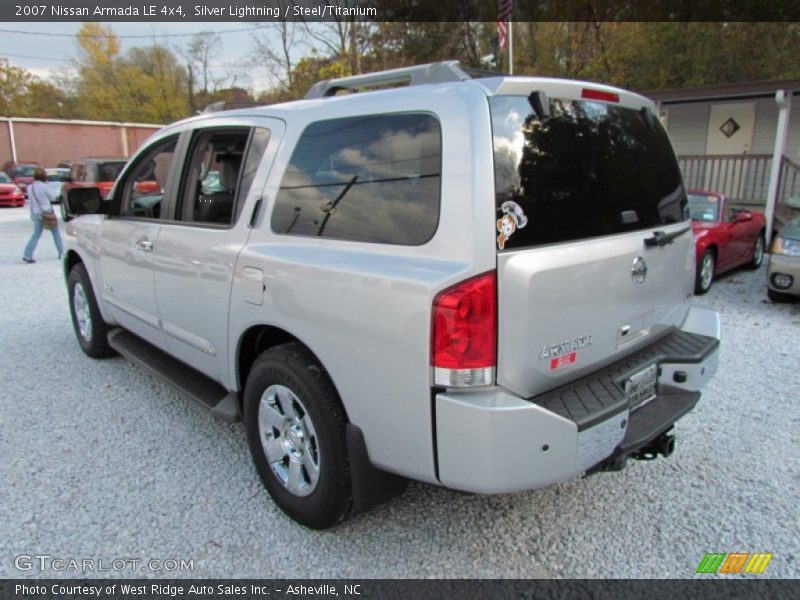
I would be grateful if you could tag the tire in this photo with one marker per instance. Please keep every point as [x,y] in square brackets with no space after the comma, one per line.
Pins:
[780,297]
[90,328]
[292,408]
[758,253]
[704,276]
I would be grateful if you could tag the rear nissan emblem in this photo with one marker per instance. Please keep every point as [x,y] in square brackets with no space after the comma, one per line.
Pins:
[639,271]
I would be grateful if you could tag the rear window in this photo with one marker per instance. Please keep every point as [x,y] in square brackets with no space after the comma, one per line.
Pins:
[365,179]
[109,171]
[23,171]
[587,169]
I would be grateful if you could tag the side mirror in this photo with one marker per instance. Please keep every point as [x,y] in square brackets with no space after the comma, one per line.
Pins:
[744,215]
[85,201]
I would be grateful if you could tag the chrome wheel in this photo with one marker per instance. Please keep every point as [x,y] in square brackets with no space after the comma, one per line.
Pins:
[758,253]
[80,305]
[289,440]
[707,271]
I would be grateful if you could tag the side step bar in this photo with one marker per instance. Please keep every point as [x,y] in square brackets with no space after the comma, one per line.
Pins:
[191,383]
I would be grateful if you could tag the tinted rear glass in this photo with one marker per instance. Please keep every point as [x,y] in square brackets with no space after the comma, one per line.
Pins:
[366,179]
[24,171]
[109,171]
[587,169]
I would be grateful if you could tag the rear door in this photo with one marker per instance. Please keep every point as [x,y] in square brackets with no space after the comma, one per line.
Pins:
[595,250]
[226,165]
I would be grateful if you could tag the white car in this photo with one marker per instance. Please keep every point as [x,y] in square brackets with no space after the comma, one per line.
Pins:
[55,179]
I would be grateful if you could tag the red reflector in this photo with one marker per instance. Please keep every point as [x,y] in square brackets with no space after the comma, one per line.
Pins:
[563,361]
[464,333]
[598,95]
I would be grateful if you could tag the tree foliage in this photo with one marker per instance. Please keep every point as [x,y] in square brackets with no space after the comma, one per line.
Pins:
[146,84]
[154,83]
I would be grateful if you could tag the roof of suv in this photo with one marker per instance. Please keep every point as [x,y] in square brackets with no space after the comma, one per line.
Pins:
[501,84]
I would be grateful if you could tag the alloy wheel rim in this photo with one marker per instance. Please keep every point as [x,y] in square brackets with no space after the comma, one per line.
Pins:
[82,315]
[707,272]
[289,440]
[758,255]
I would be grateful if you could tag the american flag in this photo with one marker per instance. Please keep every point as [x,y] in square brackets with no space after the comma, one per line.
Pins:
[503,13]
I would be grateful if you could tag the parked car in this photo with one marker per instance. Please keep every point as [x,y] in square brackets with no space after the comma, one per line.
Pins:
[56,177]
[427,282]
[21,172]
[783,279]
[10,193]
[725,237]
[92,172]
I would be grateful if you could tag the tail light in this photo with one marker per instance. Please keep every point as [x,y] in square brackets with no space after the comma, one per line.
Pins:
[464,333]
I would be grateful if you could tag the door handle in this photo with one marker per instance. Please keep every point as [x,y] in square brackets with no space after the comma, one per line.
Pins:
[144,245]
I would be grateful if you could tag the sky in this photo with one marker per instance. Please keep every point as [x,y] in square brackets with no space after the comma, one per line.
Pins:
[45,55]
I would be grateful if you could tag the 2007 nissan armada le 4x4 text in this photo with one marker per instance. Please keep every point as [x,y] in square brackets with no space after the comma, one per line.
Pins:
[475,282]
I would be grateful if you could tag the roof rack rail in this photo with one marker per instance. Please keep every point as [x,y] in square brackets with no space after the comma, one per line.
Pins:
[438,72]
[227,105]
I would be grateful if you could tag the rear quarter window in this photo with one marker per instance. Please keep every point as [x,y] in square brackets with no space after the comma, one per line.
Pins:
[371,178]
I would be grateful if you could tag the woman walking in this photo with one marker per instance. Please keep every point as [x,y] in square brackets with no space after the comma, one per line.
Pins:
[40,198]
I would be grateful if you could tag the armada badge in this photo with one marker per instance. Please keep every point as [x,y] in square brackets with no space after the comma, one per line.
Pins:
[639,271]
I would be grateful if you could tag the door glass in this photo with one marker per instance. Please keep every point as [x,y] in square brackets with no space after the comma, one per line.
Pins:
[212,176]
[144,185]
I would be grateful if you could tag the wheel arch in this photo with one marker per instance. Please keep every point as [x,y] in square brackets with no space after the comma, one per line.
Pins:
[259,338]
[714,250]
[71,259]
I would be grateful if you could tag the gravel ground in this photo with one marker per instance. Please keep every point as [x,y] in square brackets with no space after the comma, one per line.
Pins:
[99,460]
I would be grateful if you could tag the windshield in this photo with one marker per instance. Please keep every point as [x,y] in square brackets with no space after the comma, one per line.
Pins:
[57,174]
[587,169]
[791,230]
[5,178]
[24,170]
[704,207]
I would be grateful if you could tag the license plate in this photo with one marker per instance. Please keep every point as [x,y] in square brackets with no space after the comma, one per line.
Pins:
[641,387]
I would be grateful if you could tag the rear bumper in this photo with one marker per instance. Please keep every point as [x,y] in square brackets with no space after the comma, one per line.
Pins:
[492,441]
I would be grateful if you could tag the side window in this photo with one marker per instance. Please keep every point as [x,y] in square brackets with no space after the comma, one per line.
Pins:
[219,174]
[143,190]
[255,152]
[367,179]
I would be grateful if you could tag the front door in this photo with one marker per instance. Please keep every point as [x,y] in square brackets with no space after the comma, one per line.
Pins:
[129,238]
[730,132]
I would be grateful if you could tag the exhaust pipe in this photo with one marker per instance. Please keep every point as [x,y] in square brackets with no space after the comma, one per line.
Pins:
[663,445]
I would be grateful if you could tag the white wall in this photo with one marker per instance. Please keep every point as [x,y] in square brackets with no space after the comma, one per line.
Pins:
[688,126]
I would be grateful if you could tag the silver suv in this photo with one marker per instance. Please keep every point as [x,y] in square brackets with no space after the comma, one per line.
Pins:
[475,282]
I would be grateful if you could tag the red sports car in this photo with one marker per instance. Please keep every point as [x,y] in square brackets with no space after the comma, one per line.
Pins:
[725,237]
[10,194]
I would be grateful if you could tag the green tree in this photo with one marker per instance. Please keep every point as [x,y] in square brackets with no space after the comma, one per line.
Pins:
[147,84]
[14,83]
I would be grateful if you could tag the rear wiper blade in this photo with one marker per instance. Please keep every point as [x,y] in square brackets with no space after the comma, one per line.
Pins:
[662,239]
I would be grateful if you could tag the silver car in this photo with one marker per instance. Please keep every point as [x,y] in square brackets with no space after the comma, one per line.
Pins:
[482,284]
[783,278]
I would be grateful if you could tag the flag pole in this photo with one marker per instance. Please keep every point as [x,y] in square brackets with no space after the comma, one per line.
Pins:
[510,46]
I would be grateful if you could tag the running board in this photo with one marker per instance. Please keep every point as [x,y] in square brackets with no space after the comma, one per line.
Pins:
[188,381]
